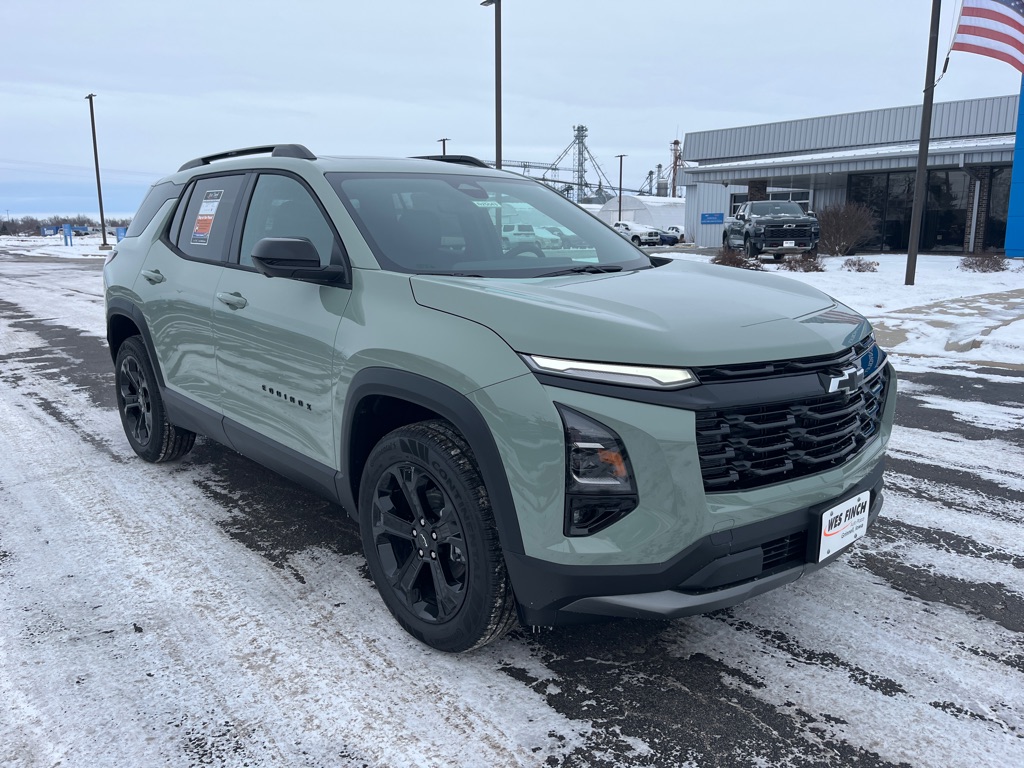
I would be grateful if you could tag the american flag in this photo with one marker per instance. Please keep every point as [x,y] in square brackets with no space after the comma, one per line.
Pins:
[992,28]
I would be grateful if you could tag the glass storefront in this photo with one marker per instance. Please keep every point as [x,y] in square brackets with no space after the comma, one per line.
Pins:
[998,209]
[890,196]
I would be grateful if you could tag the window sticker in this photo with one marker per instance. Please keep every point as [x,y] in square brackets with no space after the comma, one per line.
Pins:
[204,219]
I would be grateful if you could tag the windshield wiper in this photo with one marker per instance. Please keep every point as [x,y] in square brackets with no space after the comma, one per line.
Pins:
[590,269]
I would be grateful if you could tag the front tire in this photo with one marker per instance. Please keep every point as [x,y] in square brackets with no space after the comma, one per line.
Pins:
[635,240]
[751,250]
[430,540]
[151,435]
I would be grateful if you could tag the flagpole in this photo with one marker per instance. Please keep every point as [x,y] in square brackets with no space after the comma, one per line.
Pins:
[921,179]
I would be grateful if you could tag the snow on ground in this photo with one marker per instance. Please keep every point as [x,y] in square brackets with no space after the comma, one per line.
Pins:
[133,631]
[52,246]
[135,617]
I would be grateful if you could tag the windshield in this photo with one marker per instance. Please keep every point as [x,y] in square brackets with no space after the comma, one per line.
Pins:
[772,208]
[482,226]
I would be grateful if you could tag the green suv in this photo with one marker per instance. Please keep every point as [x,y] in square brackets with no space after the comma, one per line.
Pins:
[524,431]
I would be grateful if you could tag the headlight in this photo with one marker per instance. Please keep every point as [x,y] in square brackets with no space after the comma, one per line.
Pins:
[758,230]
[599,485]
[646,376]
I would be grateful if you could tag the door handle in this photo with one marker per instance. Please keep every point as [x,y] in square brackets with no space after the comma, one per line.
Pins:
[153,276]
[233,300]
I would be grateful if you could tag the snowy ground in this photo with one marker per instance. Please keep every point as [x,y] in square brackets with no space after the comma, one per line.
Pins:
[210,614]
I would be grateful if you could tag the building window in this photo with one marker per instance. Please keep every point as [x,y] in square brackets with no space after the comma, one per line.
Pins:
[890,196]
[998,209]
[945,217]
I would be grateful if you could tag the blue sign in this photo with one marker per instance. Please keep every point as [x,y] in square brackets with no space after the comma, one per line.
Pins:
[120,233]
[69,238]
[712,218]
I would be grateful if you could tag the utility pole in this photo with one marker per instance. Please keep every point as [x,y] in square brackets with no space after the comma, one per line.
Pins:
[444,146]
[921,180]
[676,155]
[96,157]
[497,79]
[620,186]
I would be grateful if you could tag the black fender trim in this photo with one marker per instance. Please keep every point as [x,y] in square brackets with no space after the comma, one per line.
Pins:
[456,408]
[125,308]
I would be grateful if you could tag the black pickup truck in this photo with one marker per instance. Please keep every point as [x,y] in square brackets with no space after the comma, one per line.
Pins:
[771,226]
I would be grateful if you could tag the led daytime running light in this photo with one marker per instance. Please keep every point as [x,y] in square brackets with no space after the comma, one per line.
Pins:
[612,373]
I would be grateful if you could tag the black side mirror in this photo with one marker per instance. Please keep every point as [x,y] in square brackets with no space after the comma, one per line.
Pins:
[295,258]
[741,216]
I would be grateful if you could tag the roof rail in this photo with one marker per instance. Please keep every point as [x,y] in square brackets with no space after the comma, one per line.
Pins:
[274,150]
[458,159]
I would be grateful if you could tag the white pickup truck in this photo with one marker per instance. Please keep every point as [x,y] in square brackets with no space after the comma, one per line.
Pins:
[638,234]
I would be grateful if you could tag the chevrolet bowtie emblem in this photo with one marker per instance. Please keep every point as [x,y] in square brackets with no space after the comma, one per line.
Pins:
[848,379]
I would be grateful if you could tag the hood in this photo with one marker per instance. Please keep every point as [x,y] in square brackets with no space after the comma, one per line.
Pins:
[679,314]
[783,218]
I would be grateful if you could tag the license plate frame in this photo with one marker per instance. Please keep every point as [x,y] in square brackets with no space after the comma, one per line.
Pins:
[842,524]
[789,243]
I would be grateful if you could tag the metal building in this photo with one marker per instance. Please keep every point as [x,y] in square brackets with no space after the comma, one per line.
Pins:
[866,157]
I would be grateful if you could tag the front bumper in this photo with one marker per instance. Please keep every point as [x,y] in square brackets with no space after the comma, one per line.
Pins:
[775,246]
[717,571]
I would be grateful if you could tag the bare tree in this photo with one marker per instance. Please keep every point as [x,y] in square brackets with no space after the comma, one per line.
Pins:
[844,227]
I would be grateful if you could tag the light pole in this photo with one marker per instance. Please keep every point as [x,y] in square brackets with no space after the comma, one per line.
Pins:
[497,79]
[444,146]
[96,157]
[620,185]
[921,177]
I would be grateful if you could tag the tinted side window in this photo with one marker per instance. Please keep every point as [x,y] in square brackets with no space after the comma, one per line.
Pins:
[206,225]
[282,207]
[158,195]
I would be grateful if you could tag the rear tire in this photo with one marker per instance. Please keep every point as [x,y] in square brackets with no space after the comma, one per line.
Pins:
[151,435]
[430,540]
[725,243]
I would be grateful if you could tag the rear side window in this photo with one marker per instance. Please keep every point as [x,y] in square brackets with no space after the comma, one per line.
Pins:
[206,224]
[158,195]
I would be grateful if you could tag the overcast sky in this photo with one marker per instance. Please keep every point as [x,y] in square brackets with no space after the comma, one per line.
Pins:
[176,80]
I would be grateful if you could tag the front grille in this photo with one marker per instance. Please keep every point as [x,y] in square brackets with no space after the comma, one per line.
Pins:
[788,549]
[779,232]
[748,446]
[821,364]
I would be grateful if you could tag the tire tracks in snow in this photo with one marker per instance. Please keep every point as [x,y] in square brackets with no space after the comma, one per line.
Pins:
[235,661]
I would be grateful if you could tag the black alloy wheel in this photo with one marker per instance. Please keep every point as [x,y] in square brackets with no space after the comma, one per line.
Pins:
[430,541]
[134,394]
[420,542]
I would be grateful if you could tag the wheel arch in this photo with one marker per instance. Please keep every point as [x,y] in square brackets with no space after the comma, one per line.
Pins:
[382,399]
[124,320]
